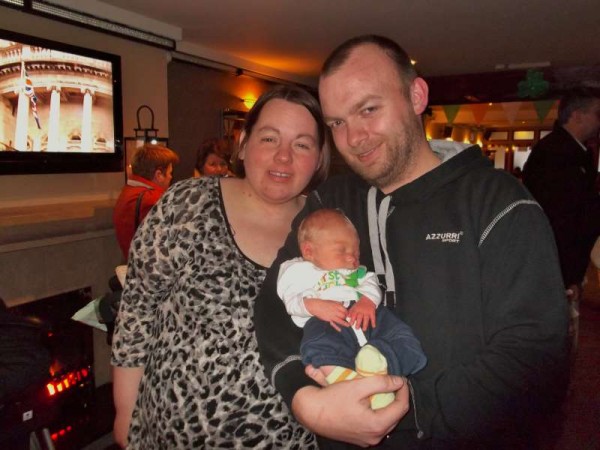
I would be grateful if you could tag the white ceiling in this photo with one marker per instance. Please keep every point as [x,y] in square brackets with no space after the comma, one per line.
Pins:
[292,37]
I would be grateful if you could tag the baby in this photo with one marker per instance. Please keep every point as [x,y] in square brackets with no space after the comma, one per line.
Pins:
[335,300]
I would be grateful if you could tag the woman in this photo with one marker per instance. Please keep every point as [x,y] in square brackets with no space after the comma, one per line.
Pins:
[212,159]
[184,336]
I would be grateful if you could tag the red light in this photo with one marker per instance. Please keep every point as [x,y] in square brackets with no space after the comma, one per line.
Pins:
[54,436]
[62,432]
[51,389]
[69,428]
[84,372]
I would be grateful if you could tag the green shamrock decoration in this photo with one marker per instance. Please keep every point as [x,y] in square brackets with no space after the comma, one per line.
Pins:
[533,85]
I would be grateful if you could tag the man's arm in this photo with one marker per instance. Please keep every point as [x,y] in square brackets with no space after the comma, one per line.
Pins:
[342,411]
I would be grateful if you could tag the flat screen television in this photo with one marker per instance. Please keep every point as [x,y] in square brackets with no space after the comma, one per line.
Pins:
[60,107]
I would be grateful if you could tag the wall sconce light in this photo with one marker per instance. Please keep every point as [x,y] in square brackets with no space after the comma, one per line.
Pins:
[248,102]
[142,136]
[146,134]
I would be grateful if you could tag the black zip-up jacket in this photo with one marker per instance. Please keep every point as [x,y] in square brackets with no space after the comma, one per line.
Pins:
[560,174]
[476,277]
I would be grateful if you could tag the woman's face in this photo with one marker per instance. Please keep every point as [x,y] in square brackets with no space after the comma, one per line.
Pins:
[282,154]
[214,165]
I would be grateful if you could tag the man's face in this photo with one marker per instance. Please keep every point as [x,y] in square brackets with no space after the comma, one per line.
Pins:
[163,177]
[374,119]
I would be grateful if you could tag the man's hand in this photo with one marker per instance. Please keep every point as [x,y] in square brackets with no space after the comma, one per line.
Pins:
[342,410]
[574,292]
[362,313]
[327,310]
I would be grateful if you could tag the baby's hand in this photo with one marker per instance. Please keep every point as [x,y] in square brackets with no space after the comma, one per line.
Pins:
[362,313]
[327,310]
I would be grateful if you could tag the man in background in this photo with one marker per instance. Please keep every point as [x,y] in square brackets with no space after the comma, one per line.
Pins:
[151,175]
[561,175]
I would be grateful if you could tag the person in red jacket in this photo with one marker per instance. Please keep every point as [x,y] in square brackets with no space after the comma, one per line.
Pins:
[151,175]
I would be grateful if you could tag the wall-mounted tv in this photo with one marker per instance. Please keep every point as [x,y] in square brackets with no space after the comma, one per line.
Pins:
[60,107]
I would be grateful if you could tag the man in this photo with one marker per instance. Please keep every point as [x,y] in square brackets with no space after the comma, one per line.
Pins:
[151,175]
[561,175]
[486,302]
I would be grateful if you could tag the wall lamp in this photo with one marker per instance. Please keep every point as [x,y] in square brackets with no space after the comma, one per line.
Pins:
[146,134]
[143,135]
[248,102]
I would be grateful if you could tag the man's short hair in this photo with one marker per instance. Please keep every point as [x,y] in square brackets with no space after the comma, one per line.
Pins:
[151,157]
[399,57]
[574,100]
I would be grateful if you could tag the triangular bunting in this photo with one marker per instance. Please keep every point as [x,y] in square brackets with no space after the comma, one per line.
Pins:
[479,110]
[451,111]
[542,108]
[510,110]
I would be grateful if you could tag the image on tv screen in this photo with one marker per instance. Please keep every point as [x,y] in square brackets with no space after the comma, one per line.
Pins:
[55,101]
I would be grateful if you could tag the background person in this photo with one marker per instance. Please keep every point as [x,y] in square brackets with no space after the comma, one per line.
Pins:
[187,373]
[212,159]
[561,175]
[152,172]
[486,302]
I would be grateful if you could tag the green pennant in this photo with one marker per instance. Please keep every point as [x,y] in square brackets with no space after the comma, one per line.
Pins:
[451,111]
[542,108]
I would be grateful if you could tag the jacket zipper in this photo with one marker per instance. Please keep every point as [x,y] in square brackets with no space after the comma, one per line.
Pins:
[420,432]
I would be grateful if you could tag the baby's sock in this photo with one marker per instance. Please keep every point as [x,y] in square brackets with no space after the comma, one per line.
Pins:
[340,374]
[369,361]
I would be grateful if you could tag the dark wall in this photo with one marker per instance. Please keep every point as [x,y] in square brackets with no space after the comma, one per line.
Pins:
[197,97]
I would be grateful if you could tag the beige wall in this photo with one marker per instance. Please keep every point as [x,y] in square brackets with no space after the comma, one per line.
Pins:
[56,231]
[144,73]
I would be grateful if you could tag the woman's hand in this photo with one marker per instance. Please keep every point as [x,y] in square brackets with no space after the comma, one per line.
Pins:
[126,382]
[121,428]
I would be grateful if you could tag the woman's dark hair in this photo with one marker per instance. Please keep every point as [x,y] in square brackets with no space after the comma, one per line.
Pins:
[300,97]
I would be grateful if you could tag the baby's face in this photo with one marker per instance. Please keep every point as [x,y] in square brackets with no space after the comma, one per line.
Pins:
[334,248]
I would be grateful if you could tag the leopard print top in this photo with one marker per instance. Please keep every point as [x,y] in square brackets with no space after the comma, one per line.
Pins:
[186,316]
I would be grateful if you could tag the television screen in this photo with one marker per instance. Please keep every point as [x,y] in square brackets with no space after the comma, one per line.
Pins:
[60,107]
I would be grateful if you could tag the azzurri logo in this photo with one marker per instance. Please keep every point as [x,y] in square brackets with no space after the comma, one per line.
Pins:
[447,237]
